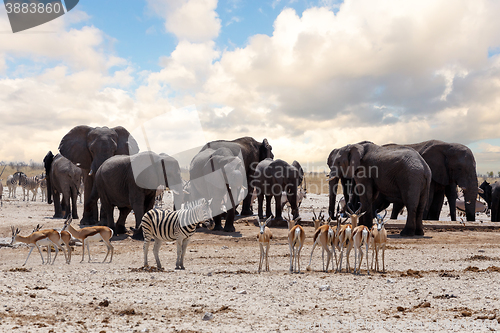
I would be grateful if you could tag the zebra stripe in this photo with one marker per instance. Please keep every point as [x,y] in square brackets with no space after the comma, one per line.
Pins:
[12,182]
[180,225]
[29,184]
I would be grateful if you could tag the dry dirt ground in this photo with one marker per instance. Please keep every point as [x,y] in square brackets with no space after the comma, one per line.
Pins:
[444,281]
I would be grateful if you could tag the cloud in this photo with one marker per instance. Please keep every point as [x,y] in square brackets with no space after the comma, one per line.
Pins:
[55,41]
[388,71]
[190,20]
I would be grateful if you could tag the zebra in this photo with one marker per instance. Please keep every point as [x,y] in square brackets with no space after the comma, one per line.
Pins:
[163,225]
[12,181]
[43,187]
[29,184]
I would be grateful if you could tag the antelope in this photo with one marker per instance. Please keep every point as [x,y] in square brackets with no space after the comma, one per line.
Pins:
[87,234]
[35,239]
[325,234]
[378,240]
[264,238]
[64,238]
[296,237]
[360,237]
[343,236]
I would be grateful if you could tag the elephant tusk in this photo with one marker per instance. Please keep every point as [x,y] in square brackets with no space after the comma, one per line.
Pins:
[78,164]
[480,190]
[175,191]
[330,179]
[91,172]
[463,189]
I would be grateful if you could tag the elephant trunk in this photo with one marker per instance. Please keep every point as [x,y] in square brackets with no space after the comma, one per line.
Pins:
[49,189]
[333,184]
[178,197]
[470,195]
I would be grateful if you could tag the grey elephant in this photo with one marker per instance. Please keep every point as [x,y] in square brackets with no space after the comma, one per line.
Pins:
[451,164]
[63,177]
[252,152]
[130,183]
[398,173]
[88,147]
[219,176]
[491,194]
[270,179]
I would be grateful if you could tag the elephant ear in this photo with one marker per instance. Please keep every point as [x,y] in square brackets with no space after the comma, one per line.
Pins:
[126,144]
[356,152]
[437,161]
[74,147]
[47,162]
[297,166]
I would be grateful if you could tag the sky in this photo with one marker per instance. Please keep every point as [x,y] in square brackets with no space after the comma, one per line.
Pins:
[309,76]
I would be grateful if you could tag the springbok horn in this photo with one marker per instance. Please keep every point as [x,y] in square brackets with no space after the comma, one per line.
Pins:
[314,214]
[349,208]
[359,209]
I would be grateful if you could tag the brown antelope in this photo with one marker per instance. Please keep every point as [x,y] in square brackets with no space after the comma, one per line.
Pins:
[378,240]
[343,236]
[325,234]
[296,237]
[94,233]
[35,239]
[64,238]
[360,237]
[264,238]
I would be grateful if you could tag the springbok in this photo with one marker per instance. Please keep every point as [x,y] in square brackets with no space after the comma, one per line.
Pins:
[94,233]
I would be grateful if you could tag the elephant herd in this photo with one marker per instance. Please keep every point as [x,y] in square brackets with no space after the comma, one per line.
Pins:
[417,176]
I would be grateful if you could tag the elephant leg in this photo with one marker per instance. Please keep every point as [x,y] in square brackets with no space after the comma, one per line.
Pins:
[396,209]
[495,205]
[277,208]
[57,206]
[436,204]
[269,212]
[247,202]
[419,226]
[108,219]
[451,195]
[411,202]
[74,210]
[229,225]
[218,222]
[90,204]
[66,203]
[260,203]
[120,223]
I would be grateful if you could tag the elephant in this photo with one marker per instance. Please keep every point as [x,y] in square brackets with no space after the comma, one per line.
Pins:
[218,175]
[252,152]
[270,179]
[398,173]
[491,194]
[130,183]
[63,177]
[88,147]
[451,164]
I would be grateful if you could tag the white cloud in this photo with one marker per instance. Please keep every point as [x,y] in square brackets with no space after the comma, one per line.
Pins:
[190,20]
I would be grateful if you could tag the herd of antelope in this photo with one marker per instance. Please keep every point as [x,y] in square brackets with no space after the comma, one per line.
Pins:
[333,235]
[56,238]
